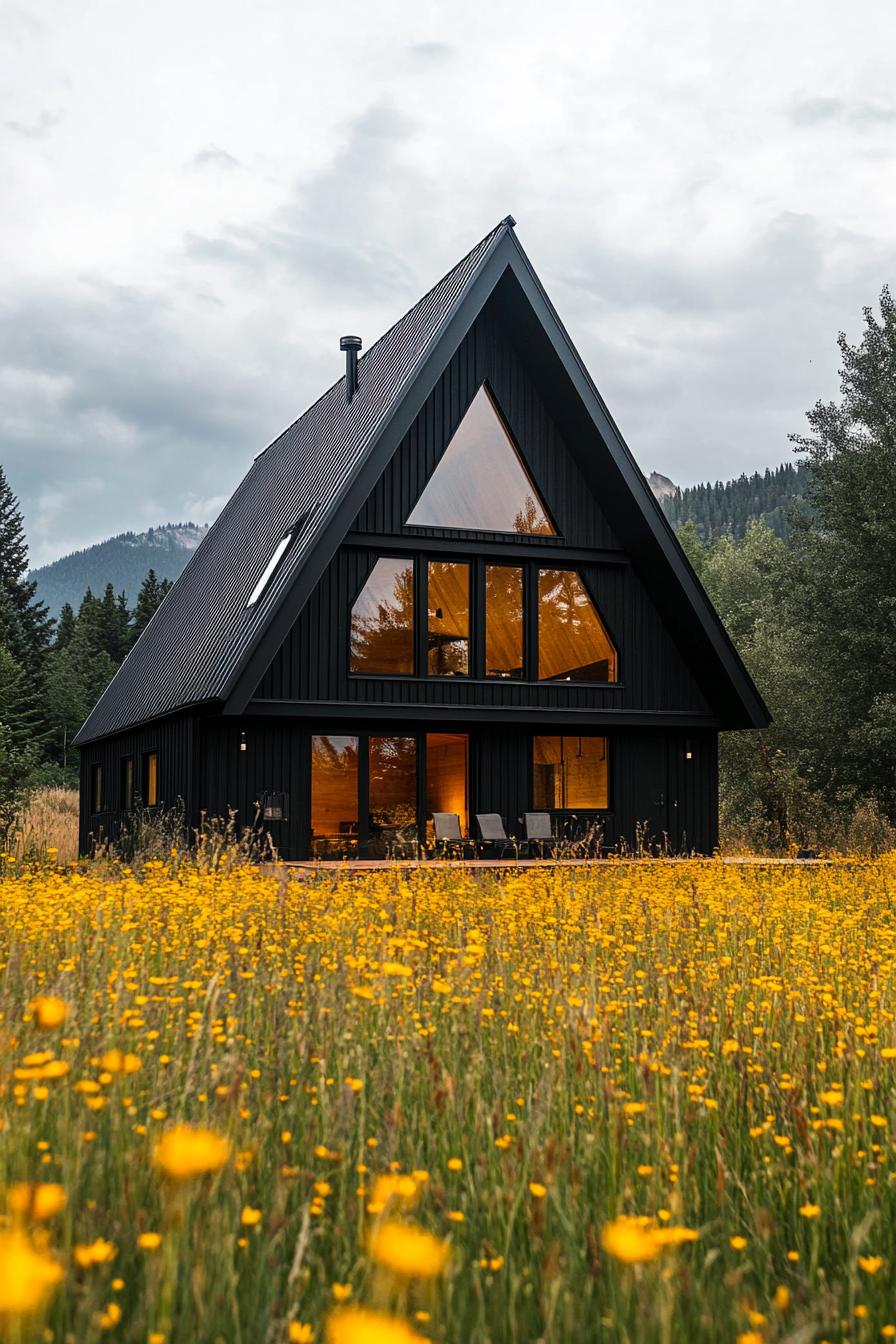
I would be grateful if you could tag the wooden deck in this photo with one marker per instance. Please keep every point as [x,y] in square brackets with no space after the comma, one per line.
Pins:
[435,865]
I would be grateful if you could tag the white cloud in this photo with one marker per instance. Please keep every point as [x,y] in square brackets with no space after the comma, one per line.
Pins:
[198,200]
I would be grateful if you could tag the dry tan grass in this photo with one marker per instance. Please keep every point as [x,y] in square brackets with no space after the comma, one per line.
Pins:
[50,822]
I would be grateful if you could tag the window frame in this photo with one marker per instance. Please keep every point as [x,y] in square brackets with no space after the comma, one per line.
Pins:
[564,812]
[554,537]
[421,559]
[415,620]
[153,752]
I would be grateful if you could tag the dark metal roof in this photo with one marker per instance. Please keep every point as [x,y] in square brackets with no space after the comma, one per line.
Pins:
[198,638]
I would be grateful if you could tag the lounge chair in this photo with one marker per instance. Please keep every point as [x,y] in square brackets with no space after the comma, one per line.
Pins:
[539,833]
[446,826]
[492,832]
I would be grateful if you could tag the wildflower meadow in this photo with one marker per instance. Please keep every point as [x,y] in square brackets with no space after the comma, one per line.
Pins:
[633,1102]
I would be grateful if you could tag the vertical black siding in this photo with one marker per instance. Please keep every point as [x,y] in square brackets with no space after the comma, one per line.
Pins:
[174,741]
[313,661]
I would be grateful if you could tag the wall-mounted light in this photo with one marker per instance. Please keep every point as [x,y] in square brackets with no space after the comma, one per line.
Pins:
[688,752]
[242,741]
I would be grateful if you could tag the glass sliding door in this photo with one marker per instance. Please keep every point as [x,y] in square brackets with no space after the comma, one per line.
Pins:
[446,776]
[334,796]
[392,797]
[372,793]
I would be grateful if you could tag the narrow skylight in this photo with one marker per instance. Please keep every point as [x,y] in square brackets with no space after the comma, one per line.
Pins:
[279,552]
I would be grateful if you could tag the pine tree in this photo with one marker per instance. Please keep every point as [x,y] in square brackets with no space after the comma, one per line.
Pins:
[24,623]
[65,627]
[148,601]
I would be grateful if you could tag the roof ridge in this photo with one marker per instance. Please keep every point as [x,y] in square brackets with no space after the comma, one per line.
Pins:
[507,222]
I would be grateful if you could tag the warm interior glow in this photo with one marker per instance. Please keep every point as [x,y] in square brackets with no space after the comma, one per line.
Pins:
[334,794]
[480,483]
[503,621]
[572,642]
[448,628]
[151,779]
[392,812]
[569,772]
[446,776]
[382,634]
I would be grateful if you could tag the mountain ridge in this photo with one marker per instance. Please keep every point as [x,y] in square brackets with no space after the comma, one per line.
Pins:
[122,560]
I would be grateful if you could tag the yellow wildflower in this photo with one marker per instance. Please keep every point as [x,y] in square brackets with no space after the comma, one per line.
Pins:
[149,1241]
[27,1276]
[300,1333]
[119,1061]
[97,1252]
[250,1217]
[537,1190]
[38,1202]
[407,1250]
[49,1011]
[186,1152]
[632,1241]
[359,1325]
[871,1264]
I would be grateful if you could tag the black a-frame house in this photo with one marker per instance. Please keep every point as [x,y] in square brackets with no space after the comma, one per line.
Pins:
[447,588]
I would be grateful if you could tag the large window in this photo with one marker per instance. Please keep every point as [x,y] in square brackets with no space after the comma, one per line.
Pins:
[392,806]
[448,620]
[334,794]
[503,621]
[572,642]
[479,617]
[480,483]
[96,788]
[382,633]
[570,772]
[446,774]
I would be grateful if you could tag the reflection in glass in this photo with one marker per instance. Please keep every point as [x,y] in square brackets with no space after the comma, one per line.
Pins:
[334,795]
[572,642]
[446,776]
[448,629]
[382,638]
[503,621]
[569,772]
[480,483]
[392,796]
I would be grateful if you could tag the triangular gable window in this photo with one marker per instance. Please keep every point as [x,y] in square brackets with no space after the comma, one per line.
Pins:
[480,483]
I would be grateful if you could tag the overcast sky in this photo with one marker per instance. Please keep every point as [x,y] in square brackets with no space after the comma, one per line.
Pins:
[197,198]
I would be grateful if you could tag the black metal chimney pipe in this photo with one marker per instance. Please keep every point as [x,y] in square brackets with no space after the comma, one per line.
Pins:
[351,345]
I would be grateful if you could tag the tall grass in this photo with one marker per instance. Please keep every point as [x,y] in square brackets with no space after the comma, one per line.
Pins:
[545,1056]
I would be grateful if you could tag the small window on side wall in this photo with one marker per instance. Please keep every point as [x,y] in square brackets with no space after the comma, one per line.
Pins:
[570,773]
[96,788]
[151,779]
[126,800]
